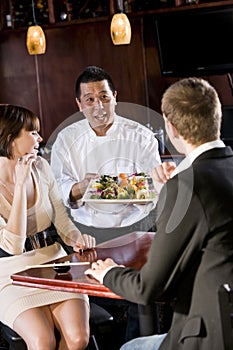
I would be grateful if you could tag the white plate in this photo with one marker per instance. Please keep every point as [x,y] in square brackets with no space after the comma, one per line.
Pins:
[89,191]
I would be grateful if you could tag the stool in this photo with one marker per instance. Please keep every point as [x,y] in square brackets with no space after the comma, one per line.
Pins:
[101,322]
[12,338]
[3,343]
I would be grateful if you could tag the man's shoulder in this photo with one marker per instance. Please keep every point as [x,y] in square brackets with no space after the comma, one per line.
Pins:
[74,126]
[73,129]
[133,125]
[123,120]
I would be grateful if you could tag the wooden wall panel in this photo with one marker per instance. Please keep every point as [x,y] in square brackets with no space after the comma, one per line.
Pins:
[70,48]
[17,71]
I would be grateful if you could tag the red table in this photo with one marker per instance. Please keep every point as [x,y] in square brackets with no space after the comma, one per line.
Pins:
[130,250]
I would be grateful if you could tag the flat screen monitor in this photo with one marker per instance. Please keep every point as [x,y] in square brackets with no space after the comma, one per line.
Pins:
[227,125]
[195,42]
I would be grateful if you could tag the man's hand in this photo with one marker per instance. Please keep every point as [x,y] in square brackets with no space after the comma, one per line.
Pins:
[79,188]
[99,269]
[163,172]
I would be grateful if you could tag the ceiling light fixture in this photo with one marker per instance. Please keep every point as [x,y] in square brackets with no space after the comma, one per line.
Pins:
[36,42]
[120,28]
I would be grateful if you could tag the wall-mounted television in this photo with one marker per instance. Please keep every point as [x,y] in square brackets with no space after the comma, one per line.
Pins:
[227,125]
[195,42]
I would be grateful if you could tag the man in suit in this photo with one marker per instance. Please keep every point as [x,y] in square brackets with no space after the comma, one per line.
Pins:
[192,252]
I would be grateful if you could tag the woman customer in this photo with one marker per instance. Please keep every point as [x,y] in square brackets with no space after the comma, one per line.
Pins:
[29,203]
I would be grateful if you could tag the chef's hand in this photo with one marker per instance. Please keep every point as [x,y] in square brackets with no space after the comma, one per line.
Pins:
[79,188]
[162,173]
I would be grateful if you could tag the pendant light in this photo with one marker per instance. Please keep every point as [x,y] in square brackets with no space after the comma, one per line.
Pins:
[120,26]
[36,43]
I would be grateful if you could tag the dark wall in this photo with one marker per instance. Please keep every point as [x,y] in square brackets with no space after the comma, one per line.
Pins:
[46,83]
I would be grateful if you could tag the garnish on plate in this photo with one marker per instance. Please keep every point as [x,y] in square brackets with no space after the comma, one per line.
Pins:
[123,186]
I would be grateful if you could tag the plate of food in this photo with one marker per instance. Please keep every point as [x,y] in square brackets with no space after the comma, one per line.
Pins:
[121,189]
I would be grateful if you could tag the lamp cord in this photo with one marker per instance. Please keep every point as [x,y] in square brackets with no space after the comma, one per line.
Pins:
[230,82]
[33,12]
[119,6]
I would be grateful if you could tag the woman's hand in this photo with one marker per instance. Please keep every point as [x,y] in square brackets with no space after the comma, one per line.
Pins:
[17,221]
[23,168]
[84,242]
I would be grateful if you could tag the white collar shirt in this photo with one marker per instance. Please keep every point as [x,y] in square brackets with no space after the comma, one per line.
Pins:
[189,159]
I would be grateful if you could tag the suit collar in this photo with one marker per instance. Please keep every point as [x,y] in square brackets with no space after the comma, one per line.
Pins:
[207,150]
[216,153]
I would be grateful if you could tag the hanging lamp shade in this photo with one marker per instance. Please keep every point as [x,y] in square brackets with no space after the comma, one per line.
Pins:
[120,29]
[36,43]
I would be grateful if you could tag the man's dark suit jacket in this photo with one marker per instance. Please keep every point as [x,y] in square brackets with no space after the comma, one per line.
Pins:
[191,255]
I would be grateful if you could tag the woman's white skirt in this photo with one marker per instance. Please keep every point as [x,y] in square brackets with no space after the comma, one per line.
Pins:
[16,299]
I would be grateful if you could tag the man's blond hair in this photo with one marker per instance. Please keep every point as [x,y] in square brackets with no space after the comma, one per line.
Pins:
[192,105]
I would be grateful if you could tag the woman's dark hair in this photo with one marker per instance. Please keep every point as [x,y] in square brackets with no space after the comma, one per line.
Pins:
[12,120]
[93,74]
